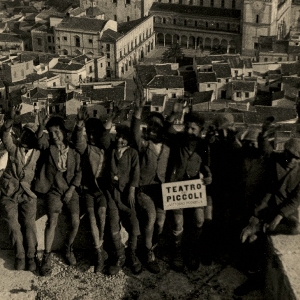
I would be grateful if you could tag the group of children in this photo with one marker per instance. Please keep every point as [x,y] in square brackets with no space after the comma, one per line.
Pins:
[119,181]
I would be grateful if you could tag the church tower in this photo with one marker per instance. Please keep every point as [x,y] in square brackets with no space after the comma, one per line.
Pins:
[264,18]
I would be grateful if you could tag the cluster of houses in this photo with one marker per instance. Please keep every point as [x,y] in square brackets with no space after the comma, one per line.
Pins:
[62,60]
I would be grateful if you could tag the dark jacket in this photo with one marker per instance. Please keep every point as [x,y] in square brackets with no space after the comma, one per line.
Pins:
[49,168]
[17,172]
[94,159]
[153,166]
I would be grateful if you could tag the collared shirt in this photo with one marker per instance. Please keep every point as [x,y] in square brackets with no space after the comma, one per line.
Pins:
[120,152]
[27,154]
[62,159]
[157,147]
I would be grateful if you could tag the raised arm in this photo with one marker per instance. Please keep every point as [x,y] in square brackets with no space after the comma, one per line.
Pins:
[136,119]
[43,142]
[78,139]
[6,137]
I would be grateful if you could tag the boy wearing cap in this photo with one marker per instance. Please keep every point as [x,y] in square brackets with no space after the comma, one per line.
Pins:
[17,199]
[154,155]
[190,158]
[95,154]
[278,211]
[125,175]
[58,178]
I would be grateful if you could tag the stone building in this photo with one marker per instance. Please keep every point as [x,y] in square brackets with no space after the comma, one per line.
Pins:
[235,26]
[122,44]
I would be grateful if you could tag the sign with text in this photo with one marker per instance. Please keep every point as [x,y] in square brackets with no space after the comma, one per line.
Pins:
[184,194]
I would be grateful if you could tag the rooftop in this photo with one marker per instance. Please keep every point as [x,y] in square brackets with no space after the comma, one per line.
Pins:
[196,10]
[82,24]
[222,70]
[241,85]
[166,81]
[158,100]
[124,27]
[207,77]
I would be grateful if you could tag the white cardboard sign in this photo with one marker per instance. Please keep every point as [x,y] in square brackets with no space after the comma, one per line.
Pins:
[184,194]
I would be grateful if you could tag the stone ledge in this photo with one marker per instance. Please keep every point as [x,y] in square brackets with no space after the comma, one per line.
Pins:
[83,239]
[283,267]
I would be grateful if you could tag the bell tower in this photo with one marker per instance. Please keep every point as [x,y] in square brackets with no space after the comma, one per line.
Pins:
[259,19]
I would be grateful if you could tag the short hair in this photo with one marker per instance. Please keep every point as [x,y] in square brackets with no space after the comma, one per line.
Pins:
[155,114]
[124,131]
[57,121]
[94,124]
[194,117]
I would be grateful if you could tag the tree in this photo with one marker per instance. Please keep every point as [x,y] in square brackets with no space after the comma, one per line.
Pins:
[172,54]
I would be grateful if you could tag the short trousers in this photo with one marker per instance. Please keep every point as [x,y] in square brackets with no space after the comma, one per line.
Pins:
[95,200]
[54,203]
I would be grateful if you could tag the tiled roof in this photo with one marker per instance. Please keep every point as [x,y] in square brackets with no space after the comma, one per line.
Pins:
[279,113]
[293,49]
[203,60]
[235,62]
[277,95]
[167,81]
[196,10]
[201,97]
[76,11]
[290,69]
[165,69]
[222,70]
[291,81]
[68,67]
[145,73]
[113,93]
[241,85]
[207,77]
[158,100]
[13,38]
[34,76]
[94,11]
[81,24]
[110,36]
[124,27]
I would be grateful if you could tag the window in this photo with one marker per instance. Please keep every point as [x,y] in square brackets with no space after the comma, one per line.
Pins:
[228,26]
[39,41]
[265,59]
[121,53]
[156,108]
[49,39]
[236,72]
[238,94]
[222,3]
[185,22]
[170,1]
[196,23]
[227,80]
[128,18]
[131,45]
[219,80]
[190,2]
[246,94]
[217,25]
[115,17]
[108,63]
[212,3]
[80,77]
[249,74]
[279,58]
[91,41]
[201,2]
[206,24]
[127,1]
[114,1]
[173,95]
[95,113]
[101,65]
[107,47]
[91,69]
[107,55]
[257,19]
[233,4]
[174,21]
[77,41]
[164,20]
[58,38]
[65,38]
[54,83]
[208,85]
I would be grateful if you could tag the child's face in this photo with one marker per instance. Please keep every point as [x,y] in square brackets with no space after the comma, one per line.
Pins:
[192,130]
[27,139]
[121,141]
[93,137]
[57,135]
